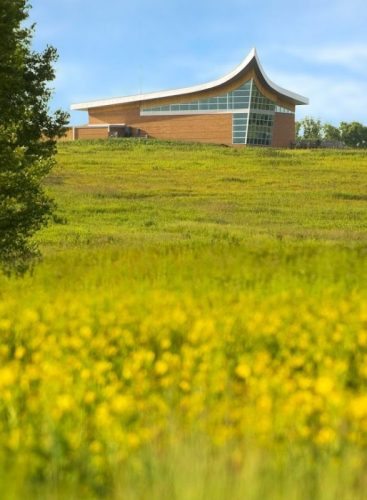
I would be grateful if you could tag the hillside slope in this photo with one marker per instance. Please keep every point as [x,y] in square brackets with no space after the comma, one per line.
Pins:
[151,192]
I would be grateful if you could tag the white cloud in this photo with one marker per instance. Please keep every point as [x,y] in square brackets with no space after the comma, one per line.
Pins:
[351,56]
[331,99]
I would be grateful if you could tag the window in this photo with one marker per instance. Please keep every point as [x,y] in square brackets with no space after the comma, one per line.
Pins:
[237,99]
[280,109]
[260,129]
[239,128]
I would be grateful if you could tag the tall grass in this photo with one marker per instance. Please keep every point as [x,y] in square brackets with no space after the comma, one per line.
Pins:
[197,328]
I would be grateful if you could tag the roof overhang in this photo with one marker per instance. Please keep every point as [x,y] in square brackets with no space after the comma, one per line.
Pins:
[251,60]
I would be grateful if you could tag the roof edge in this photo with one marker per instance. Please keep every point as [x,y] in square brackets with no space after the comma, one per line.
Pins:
[298,99]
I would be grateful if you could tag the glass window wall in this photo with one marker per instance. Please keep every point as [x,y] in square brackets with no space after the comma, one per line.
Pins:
[252,112]
[280,109]
[239,128]
[260,129]
[237,99]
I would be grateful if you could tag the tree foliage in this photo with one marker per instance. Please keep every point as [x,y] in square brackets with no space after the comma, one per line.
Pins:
[27,136]
[331,133]
[352,134]
[311,129]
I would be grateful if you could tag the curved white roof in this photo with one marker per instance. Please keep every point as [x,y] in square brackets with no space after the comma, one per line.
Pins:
[296,98]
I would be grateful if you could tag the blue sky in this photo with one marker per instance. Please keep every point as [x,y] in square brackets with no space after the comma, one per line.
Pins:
[317,48]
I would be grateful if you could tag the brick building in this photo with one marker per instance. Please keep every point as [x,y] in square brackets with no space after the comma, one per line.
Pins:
[243,107]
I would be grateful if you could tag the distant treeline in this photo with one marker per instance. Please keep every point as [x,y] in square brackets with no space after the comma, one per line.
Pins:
[314,133]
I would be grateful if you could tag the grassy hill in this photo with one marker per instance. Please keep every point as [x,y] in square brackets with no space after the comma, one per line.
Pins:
[197,328]
[150,192]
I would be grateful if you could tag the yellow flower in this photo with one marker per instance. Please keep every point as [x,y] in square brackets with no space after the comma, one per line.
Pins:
[133,440]
[122,404]
[65,403]
[243,371]
[30,316]
[161,367]
[358,407]
[7,376]
[5,324]
[14,439]
[324,386]
[89,397]
[184,385]
[165,343]
[85,332]
[325,436]
[19,352]
[362,338]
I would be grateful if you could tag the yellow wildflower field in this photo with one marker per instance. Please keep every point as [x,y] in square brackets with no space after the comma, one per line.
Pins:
[216,365]
[97,381]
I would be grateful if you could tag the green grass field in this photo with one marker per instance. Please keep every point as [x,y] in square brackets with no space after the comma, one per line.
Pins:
[146,193]
[196,329]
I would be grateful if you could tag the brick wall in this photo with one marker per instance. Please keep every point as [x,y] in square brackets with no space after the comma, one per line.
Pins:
[215,128]
[284,131]
[89,133]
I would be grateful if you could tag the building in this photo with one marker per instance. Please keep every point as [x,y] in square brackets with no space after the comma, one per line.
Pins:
[243,107]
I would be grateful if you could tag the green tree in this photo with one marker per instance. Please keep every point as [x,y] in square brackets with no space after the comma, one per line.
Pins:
[331,133]
[310,129]
[354,134]
[28,133]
